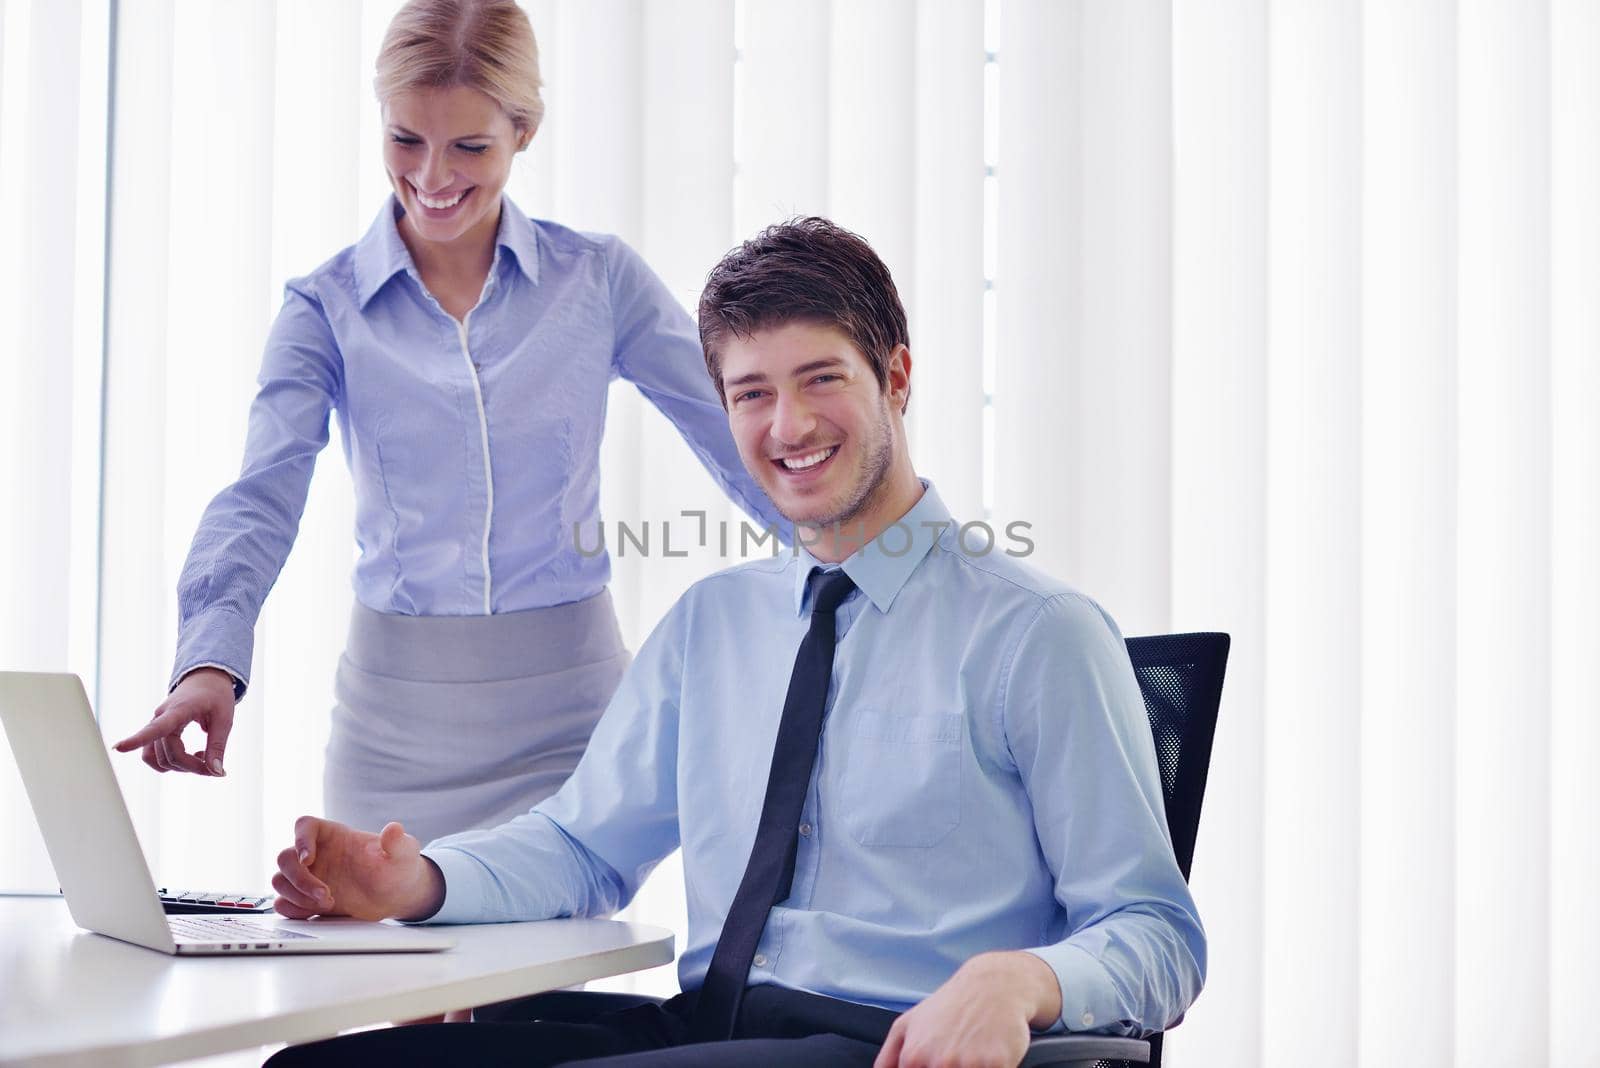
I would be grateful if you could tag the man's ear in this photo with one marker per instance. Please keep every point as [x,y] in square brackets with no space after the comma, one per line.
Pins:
[898,377]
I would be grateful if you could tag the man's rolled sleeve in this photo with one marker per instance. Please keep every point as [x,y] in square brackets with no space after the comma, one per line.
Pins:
[1089,999]
[470,889]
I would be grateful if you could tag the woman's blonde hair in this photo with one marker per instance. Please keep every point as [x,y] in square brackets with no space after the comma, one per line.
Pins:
[485,45]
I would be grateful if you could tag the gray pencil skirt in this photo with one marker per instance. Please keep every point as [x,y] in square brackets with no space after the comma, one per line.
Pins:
[447,723]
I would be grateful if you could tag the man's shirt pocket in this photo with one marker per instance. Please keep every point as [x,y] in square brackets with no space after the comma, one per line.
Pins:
[901,784]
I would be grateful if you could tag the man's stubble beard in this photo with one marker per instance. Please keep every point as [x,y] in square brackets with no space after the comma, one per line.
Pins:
[875,466]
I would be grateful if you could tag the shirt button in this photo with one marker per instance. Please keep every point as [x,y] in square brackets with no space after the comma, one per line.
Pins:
[1087,1019]
[759,960]
[805,830]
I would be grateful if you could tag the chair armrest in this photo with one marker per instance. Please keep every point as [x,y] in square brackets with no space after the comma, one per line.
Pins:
[1062,1051]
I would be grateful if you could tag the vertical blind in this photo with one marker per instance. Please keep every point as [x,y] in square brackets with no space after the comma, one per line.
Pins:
[53,71]
[1270,316]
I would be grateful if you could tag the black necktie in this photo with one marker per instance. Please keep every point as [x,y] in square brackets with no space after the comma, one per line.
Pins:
[768,876]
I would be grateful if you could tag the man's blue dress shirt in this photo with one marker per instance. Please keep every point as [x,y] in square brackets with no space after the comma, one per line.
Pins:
[474,449]
[986,780]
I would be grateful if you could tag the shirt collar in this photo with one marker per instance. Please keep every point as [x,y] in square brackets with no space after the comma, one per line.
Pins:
[882,567]
[381,254]
[519,237]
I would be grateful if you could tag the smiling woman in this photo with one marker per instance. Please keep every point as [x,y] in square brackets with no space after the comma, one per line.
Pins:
[448,155]
[455,119]
[454,341]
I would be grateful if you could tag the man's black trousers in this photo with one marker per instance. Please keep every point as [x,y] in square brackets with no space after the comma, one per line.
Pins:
[777,1028]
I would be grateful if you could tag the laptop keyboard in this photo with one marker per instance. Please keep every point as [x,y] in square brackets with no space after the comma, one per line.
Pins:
[185,902]
[230,930]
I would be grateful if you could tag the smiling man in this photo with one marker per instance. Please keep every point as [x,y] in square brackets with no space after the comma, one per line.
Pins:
[914,788]
[811,417]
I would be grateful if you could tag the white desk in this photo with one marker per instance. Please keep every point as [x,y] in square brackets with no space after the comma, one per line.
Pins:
[68,997]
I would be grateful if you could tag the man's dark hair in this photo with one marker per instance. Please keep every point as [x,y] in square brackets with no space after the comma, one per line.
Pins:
[803,270]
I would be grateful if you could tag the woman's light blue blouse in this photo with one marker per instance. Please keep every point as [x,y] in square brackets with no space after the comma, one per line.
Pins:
[474,447]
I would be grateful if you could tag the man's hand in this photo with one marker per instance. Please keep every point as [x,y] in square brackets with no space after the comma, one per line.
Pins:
[204,696]
[334,870]
[980,1018]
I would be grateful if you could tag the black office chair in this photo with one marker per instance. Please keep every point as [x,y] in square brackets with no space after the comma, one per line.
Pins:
[1180,676]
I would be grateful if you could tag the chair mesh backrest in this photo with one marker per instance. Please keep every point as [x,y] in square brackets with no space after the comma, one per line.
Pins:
[1180,676]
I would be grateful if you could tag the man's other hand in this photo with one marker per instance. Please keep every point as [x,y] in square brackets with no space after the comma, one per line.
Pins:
[980,1018]
[334,870]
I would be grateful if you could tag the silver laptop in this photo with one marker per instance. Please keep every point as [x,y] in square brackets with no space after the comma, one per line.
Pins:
[91,841]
